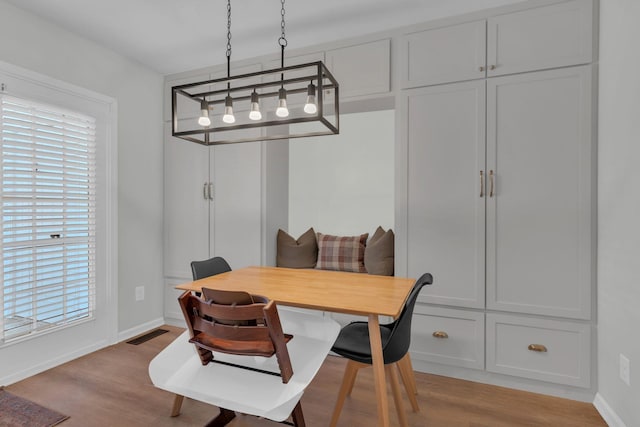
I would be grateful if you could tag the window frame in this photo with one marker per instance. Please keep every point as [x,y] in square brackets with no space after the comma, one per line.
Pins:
[22,83]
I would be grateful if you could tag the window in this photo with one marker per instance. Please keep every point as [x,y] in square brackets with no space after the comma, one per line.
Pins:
[48,203]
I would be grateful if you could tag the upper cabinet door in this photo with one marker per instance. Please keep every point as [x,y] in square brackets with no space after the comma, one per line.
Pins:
[546,37]
[444,55]
[362,69]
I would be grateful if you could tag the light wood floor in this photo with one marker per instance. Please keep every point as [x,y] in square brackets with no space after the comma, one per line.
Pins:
[111,387]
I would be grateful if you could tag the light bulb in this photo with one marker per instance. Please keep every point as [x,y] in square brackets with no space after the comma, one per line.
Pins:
[204,119]
[255,113]
[311,107]
[282,110]
[228,111]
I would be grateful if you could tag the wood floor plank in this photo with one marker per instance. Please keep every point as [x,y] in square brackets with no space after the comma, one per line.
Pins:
[111,387]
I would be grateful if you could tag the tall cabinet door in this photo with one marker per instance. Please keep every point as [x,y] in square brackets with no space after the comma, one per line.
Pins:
[186,204]
[446,194]
[539,222]
[236,219]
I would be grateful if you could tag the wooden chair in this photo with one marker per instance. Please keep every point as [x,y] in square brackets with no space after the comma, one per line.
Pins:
[353,343]
[236,356]
[200,270]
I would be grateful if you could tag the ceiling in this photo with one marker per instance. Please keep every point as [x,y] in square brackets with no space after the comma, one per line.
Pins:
[170,36]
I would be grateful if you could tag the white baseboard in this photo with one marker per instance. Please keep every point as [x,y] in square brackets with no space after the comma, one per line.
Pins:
[517,383]
[51,363]
[140,329]
[610,417]
[176,321]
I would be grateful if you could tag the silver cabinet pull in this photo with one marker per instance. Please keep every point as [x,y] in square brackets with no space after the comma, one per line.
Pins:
[481,183]
[491,183]
[204,191]
[211,191]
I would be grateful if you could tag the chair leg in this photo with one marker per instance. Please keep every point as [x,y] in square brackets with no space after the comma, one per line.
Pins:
[177,405]
[345,389]
[408,377]
[222,419]
[296,415]
[397,395]
[350,374]
[406,373]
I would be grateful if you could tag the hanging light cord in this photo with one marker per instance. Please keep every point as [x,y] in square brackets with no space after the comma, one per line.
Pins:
[229,42]
[282,41]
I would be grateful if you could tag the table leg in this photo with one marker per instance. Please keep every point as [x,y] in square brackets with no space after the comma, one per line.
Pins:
[382,401]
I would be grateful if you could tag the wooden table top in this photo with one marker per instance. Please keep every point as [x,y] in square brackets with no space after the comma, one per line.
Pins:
[337,291]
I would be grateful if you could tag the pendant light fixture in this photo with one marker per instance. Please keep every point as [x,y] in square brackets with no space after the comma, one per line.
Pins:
[299,100]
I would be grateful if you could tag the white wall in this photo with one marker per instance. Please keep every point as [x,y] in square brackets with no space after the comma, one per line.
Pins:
[343,184]
[619,206]
[30,42]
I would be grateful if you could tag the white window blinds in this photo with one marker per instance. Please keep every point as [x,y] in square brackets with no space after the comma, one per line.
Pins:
[48,217]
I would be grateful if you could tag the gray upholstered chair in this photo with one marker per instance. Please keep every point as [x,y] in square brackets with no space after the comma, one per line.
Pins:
[209,267]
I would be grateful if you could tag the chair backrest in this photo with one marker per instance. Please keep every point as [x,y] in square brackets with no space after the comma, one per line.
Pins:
[399,340]
[236,322]
[209,267]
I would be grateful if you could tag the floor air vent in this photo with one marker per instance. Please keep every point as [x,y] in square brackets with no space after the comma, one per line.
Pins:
[146,337]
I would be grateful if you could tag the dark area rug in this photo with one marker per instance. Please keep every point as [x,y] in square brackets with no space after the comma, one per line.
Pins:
[16,411]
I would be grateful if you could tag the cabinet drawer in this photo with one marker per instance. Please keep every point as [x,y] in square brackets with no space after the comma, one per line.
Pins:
[540,349]
[444,55]
[448,336]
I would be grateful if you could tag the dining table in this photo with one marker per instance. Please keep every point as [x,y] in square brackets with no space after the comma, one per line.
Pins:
[326,290]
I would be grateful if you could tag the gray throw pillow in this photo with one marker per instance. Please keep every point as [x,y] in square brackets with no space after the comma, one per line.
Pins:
[379,253]
[300,253]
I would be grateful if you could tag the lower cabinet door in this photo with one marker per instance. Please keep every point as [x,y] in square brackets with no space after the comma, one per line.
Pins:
[540,349]
[449,336]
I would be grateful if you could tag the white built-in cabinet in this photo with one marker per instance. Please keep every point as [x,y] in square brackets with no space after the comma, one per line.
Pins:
[495,174]
[212,199]
[212,203]
[532,39]
[501,191]
[212,206]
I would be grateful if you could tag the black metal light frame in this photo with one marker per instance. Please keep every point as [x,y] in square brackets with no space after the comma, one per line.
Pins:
[294,79]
